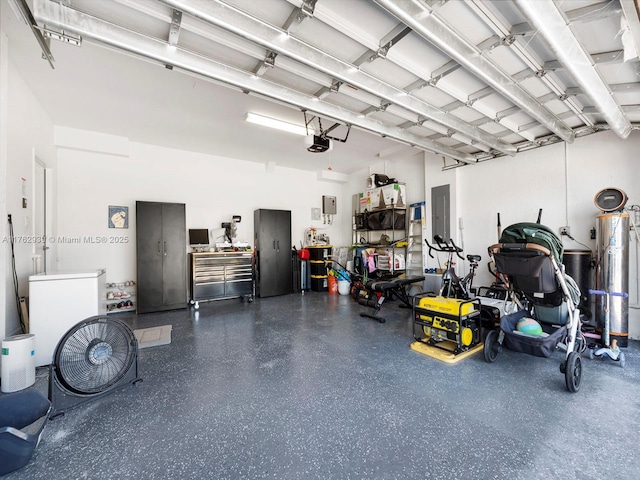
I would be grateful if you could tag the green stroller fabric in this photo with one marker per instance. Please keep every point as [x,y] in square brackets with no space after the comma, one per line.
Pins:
[538,234]
[534,233]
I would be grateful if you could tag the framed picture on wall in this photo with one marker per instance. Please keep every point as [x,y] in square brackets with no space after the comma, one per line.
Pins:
[118,217]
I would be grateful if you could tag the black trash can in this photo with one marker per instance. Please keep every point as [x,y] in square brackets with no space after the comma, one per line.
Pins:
[577,264]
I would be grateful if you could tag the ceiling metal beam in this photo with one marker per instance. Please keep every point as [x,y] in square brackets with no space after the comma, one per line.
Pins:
[625,108]
[329,85]
[275,39]
[427,24]
[597,11]
[552,26]
[490,14]
[630,11]
[174,30]
[268,62]
[392,38]
[299,14]
[388,41]
[21,8]
[603,58]
[633,87]
[153,49]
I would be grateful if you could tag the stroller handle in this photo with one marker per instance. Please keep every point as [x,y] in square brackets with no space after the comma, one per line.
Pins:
[613,294]
[518,246]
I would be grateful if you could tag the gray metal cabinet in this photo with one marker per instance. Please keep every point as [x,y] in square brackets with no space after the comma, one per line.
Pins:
[220,275]
[272,243]
[161,256]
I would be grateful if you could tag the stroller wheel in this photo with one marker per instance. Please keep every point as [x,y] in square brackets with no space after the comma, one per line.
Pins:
[573,372]
[491,346]
[591,353]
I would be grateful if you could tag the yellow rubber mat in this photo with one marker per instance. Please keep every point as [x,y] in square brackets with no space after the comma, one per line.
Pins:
[444,351]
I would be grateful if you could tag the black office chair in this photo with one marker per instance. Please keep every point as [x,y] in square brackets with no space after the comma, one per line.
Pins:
[23,416]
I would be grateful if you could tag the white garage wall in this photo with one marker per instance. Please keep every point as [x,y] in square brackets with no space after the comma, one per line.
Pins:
[561,179]
[95,171]
[29,133]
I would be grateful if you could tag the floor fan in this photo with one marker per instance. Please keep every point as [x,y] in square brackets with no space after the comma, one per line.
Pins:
[94,358]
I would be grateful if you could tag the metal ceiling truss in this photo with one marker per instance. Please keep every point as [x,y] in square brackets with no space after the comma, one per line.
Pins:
[551,25]
[611,8]
[22,11]
[120,38]
[426,22]
[174,30]
[537,69]
[360,34]
[251,28]
[274,47]
[330,85]
[299,14]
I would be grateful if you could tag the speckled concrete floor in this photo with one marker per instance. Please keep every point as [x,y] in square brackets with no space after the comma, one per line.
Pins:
[302,387]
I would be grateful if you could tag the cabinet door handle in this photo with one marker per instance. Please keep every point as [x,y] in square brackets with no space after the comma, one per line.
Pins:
[159,247]
[274,244]
[165,248]
[278,241]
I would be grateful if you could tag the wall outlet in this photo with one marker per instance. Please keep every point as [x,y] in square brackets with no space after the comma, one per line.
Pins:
[565,230]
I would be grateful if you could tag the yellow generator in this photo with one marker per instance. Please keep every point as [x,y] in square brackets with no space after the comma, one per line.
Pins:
[448,323]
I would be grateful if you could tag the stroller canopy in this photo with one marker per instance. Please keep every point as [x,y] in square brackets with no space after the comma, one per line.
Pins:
[534,233]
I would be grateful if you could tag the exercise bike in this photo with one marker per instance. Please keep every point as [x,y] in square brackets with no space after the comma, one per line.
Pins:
[452,285]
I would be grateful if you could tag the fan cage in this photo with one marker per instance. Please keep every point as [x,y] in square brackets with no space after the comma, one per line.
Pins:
[94,355]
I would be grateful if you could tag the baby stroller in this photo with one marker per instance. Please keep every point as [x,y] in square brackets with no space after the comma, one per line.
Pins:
[530,256]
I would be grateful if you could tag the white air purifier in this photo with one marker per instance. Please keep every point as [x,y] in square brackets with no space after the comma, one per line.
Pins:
[18,362]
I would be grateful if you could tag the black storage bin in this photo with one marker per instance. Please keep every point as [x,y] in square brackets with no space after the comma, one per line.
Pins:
[319,252]
[536,346]
[319,283]
[318,267]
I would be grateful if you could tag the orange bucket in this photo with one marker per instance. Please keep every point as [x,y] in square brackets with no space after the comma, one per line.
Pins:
[332,283]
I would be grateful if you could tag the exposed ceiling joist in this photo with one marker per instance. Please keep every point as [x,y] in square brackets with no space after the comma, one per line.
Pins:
[118,37]
[603,58]
[587,13]
[246,26]
[551,25]
[492,16]
[174,30]
[298,15]
[23,12]
[427,24]
[630,11]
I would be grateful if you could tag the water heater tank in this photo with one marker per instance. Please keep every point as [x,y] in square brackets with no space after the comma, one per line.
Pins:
[612,274]
[18,362]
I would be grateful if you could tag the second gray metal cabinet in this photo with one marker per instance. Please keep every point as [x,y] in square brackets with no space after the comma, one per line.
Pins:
[272,243]
[161,256]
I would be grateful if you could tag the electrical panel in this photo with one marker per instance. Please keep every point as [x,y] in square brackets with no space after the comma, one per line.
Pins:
[329,205]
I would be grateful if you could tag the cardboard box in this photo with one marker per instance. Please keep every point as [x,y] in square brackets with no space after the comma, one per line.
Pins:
[388,196]
[394,195]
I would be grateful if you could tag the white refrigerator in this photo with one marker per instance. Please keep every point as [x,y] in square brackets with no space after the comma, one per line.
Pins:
[58,301]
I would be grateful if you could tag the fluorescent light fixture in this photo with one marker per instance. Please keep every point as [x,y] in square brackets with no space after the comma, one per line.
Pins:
[277,124]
